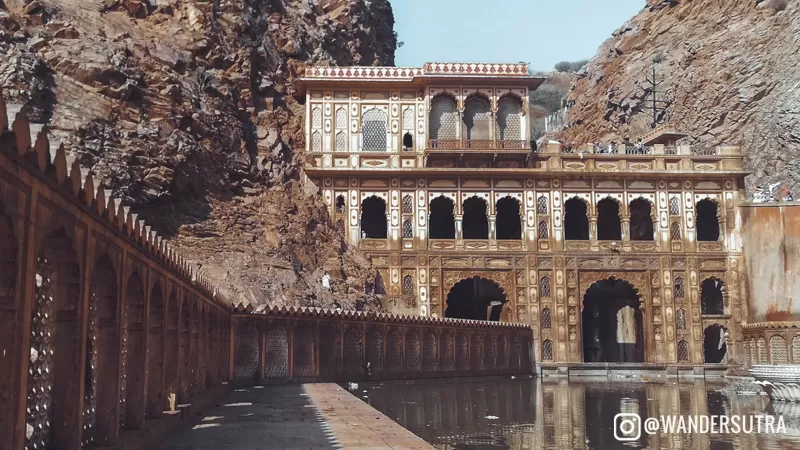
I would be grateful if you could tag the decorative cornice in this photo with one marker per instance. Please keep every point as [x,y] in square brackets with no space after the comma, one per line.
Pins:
[323,313]
[63,173]
[409,73]
[771,326]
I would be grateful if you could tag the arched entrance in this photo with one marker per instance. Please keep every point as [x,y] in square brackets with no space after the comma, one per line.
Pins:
[612,323]
[714,345]
[476,298]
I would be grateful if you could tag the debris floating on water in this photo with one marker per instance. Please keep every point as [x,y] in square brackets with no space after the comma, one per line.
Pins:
[353,386]
[492,417]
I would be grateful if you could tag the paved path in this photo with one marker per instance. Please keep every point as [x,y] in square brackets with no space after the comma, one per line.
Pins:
[311,416]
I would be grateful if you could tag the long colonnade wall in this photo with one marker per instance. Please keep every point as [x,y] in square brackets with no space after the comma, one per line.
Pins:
[102,323]
[311,344]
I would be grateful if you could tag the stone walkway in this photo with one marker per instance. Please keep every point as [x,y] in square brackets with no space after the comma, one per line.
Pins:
[311,416]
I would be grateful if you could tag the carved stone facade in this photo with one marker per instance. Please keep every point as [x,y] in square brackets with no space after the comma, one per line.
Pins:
[449,158]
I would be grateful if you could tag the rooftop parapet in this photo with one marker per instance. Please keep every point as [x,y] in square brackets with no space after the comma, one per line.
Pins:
[408,73]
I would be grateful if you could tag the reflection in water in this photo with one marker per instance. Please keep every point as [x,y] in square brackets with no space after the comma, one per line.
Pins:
[500,413]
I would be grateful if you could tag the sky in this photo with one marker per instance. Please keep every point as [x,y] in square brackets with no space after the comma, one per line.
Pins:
[539,32]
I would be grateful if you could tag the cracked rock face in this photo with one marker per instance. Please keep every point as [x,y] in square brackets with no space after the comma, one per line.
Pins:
[187,111]
[729,76]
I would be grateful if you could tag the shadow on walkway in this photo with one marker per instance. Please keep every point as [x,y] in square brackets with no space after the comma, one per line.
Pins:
[257,417]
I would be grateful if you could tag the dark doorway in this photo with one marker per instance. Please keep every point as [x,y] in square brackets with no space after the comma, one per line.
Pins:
[612,323]
[609,227]
[373,218]
[707,221]
[576,220]
[641,220]
[509,222]
[340,204]
[475,298]
[714,346]
[711,298]
[475,222]
[408,142]
[442,223]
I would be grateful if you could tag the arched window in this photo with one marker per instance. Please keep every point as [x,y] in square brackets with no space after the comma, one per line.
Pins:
[316,142]
[680,291]
[707,222]
[373,218]
[408,229]
[777,350]
[674,206]
[373,131]
[683,351]
[547,319]
[442,222]
[541,205]
[477,121]
[509,122]
[408,204]
[544,230]
[675,231]
[408,142]
[443,120]
[408,119]
[576,221]
[341,141]
[408,285]
[680,319]
[340,203]
[711,297]
[316,119]
[509,222]
[340,226]
[609,227]
[544,287]
[475,221]
[641,224]
[547,350]
[341,119]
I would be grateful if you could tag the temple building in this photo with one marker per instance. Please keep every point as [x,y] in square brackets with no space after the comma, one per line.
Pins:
[613,253]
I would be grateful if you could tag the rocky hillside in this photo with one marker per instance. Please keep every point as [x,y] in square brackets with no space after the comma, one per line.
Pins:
[729,76]
[186,109]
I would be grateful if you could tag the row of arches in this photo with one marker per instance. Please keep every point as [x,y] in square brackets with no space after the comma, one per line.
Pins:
[136,334]
[475,219]
[372,352]
[442,223]
[476,121]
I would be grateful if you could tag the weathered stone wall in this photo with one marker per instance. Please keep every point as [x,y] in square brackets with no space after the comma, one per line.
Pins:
[102,323]
[771,240]
[311,344]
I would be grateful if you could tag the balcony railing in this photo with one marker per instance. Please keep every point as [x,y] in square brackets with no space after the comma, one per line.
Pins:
[704,151]
[478,144]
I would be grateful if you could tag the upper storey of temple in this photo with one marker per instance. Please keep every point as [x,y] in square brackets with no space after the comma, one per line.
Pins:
[461,117]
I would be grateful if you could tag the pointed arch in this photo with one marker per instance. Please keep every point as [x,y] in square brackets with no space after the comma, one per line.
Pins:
[373,217]
[442,222]
[475,222]
[155,353]
[547,320]
[104,301]
[509,219]
[353,352]
[641,220]
[408,229]
[707,220]
[576,219]
[778,353]
[373,131]
[443,119]
[712,297]
[341,141]
[246,350]
[547,350]
[408,285]
[316,141]
[276,353]
[683,351]
[413,357]
[509,126]
[135,360]
[477,120]
[612,322]
[714,345]
[374,354]
[330,351]
[408,204]
[303,357]
[394,351]
[680,319]
[609,225]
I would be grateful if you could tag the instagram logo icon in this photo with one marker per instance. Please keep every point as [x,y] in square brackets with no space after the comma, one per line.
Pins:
[627,427]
